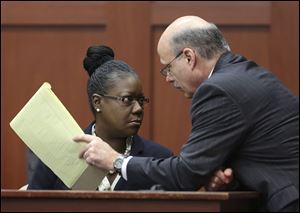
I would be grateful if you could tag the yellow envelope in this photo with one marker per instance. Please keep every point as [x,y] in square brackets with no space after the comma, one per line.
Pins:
[47,128]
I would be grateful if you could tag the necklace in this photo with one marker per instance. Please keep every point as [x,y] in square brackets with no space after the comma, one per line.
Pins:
[112,175]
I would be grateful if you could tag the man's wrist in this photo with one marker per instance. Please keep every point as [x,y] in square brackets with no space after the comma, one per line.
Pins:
[124,167]
[117,164]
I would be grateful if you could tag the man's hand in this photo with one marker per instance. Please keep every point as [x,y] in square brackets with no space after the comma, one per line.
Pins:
[97,152]
[220,180]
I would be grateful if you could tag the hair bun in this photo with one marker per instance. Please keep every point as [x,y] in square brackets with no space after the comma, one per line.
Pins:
[96,56]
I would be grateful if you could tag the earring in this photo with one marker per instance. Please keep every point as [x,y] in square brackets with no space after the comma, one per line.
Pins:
[98,110]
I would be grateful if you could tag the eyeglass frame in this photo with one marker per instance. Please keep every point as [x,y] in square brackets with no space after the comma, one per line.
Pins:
[165,73]
[121,98]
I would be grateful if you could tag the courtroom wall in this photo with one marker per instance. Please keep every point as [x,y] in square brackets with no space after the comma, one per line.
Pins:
[46,41]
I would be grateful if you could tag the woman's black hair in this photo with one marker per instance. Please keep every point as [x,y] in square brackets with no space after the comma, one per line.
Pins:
[104,71]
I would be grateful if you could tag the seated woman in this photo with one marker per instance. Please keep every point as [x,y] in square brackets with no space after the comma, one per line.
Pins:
[117,102]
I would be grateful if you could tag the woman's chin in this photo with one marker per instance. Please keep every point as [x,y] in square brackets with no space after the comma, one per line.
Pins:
[133,130]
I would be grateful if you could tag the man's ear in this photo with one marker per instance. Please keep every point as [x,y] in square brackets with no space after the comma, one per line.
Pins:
[96,101]
[190,57]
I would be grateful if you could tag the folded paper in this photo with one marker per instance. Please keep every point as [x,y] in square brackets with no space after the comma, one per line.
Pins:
[47,128]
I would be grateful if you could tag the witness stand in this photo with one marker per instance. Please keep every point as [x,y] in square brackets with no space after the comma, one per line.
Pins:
[131,201]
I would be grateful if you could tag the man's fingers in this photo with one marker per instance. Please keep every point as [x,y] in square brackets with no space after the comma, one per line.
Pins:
[225,176]
[217,180]
[228,172]
[83,138]
[81,153]
[221,176]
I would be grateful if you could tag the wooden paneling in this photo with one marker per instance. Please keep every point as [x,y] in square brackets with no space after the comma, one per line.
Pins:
[47,40]
[249,41]
[284,36]
[53,12]
[219,12]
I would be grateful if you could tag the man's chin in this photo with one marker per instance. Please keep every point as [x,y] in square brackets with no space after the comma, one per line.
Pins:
[187,95]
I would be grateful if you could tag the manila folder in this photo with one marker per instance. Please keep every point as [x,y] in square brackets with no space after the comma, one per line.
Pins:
[47,128]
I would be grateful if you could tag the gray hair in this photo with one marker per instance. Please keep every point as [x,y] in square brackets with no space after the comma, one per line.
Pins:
[208,41]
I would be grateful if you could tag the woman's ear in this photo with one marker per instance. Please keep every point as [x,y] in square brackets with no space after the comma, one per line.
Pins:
[96,100]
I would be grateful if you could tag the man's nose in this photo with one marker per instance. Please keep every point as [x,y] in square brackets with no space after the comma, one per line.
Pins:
[169,79]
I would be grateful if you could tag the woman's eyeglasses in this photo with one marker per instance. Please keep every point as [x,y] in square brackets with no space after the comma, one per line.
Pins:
[128,100]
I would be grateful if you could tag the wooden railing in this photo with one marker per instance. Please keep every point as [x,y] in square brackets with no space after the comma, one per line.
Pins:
[132,201]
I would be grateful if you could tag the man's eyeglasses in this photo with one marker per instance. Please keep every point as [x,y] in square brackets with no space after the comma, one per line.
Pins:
[166,70]
[128,100]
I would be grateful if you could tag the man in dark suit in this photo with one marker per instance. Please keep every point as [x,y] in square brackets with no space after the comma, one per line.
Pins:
[242,117]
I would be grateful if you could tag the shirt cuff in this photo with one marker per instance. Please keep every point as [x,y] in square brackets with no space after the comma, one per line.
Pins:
[124,167]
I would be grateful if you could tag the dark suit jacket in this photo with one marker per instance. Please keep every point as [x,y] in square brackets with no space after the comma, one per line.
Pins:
[242,116]
[44,178]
